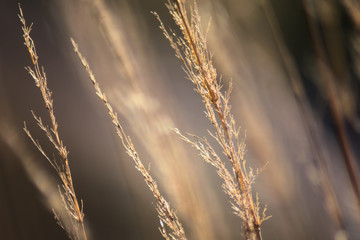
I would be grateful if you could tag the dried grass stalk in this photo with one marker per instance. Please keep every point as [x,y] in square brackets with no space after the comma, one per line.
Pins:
[166,215]
[191,49]
[73,223]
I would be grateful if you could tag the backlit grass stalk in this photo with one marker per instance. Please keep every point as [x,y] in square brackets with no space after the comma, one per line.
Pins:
[166,215]
[75,228]
[191,49]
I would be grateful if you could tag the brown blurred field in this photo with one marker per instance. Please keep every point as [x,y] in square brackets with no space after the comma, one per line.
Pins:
[298,109]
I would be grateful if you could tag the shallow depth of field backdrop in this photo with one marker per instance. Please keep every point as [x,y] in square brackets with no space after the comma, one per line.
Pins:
[138,71]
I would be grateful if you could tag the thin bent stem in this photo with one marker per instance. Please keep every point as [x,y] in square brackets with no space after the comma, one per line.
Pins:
[166,215]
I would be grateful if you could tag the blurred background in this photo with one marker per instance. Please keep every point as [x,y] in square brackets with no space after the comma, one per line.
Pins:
[295,70]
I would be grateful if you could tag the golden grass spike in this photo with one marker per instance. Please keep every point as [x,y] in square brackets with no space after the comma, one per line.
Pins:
[191,49]
[75,226]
